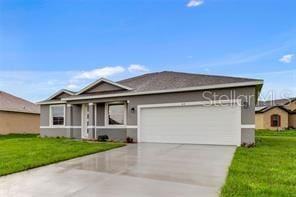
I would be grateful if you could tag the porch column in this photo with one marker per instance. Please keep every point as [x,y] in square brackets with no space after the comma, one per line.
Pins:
[69,120]
[91,121]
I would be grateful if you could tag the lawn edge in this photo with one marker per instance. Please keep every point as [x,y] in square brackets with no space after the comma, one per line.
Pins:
[120,145]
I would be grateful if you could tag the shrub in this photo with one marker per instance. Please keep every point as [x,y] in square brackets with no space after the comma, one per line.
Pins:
[248,145]
[129,140]
[103,138]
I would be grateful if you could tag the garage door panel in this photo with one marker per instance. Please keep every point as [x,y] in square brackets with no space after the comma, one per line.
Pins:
[191,124]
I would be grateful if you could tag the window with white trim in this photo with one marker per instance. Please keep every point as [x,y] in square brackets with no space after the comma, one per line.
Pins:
[57,115]
[116,114]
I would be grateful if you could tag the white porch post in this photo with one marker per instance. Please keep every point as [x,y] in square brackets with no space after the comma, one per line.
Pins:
[91,126]
[69,120]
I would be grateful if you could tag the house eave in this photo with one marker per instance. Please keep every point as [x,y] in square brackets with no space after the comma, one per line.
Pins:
[51,102]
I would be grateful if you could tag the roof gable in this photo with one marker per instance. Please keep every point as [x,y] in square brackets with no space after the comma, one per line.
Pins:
[63,93]
[103,85]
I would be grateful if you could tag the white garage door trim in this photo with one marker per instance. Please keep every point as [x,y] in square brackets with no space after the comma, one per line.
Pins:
[220,102]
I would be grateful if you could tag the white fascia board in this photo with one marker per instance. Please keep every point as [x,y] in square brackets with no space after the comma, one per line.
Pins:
[218,86]
[102,80]
[51,102]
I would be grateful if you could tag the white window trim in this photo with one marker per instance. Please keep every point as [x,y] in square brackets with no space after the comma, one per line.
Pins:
[50,116]
[107,125]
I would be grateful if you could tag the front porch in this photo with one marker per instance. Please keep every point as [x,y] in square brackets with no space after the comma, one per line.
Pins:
[93,119]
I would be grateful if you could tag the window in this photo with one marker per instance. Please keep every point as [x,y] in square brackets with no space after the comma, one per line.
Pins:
[116,114]
[57,115]
[275,120]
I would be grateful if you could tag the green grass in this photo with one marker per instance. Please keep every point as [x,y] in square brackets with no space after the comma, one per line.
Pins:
[20,152]
[276,133]
[269,169]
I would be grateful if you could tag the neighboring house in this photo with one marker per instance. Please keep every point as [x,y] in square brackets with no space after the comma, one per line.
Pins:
[165,107]
[18,115]
[276,115]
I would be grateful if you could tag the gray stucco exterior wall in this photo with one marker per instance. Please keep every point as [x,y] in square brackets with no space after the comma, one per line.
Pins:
[76,115]
[54,132]
[100,114]
[113,134]
[248,136]
[247,112]
[44,115]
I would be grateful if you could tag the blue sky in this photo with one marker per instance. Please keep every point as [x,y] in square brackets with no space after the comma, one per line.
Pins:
[48,45]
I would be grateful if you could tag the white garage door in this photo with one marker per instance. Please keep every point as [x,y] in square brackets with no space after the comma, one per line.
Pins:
[194,124]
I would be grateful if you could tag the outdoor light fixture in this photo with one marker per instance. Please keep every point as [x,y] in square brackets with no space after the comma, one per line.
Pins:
[133,110]
[245,105]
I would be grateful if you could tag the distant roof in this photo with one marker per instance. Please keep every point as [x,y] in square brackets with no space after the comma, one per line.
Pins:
[174,80]
[267,108]
[12,103]
[264,106]
[275,102]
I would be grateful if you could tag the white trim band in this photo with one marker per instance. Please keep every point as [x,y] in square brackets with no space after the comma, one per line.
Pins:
[248,126]
[91,127]
[60,127]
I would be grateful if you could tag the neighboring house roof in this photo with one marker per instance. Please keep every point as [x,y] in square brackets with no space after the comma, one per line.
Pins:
[276,102]
[267,108]
[264,106]
[12,103]
[166,81]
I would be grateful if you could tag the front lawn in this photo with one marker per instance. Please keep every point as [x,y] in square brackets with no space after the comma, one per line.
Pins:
[276,133]
[24,151]
[269,169]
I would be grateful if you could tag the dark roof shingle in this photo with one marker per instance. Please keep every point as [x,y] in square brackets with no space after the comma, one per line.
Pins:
[173,80]
[168,80]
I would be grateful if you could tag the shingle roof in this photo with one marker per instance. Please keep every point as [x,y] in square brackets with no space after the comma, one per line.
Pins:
[275,102]
[169,81]
[9,102]
[266,108]
[174,80]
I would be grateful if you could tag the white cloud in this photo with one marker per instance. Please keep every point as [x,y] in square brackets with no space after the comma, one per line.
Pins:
[134,68]
[100,72]
[72,86]
[194,3]
[287,58]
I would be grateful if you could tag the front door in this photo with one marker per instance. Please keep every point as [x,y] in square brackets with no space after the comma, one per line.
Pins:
[85,121]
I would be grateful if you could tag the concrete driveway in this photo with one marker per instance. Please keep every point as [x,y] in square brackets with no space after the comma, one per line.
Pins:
[137,170]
